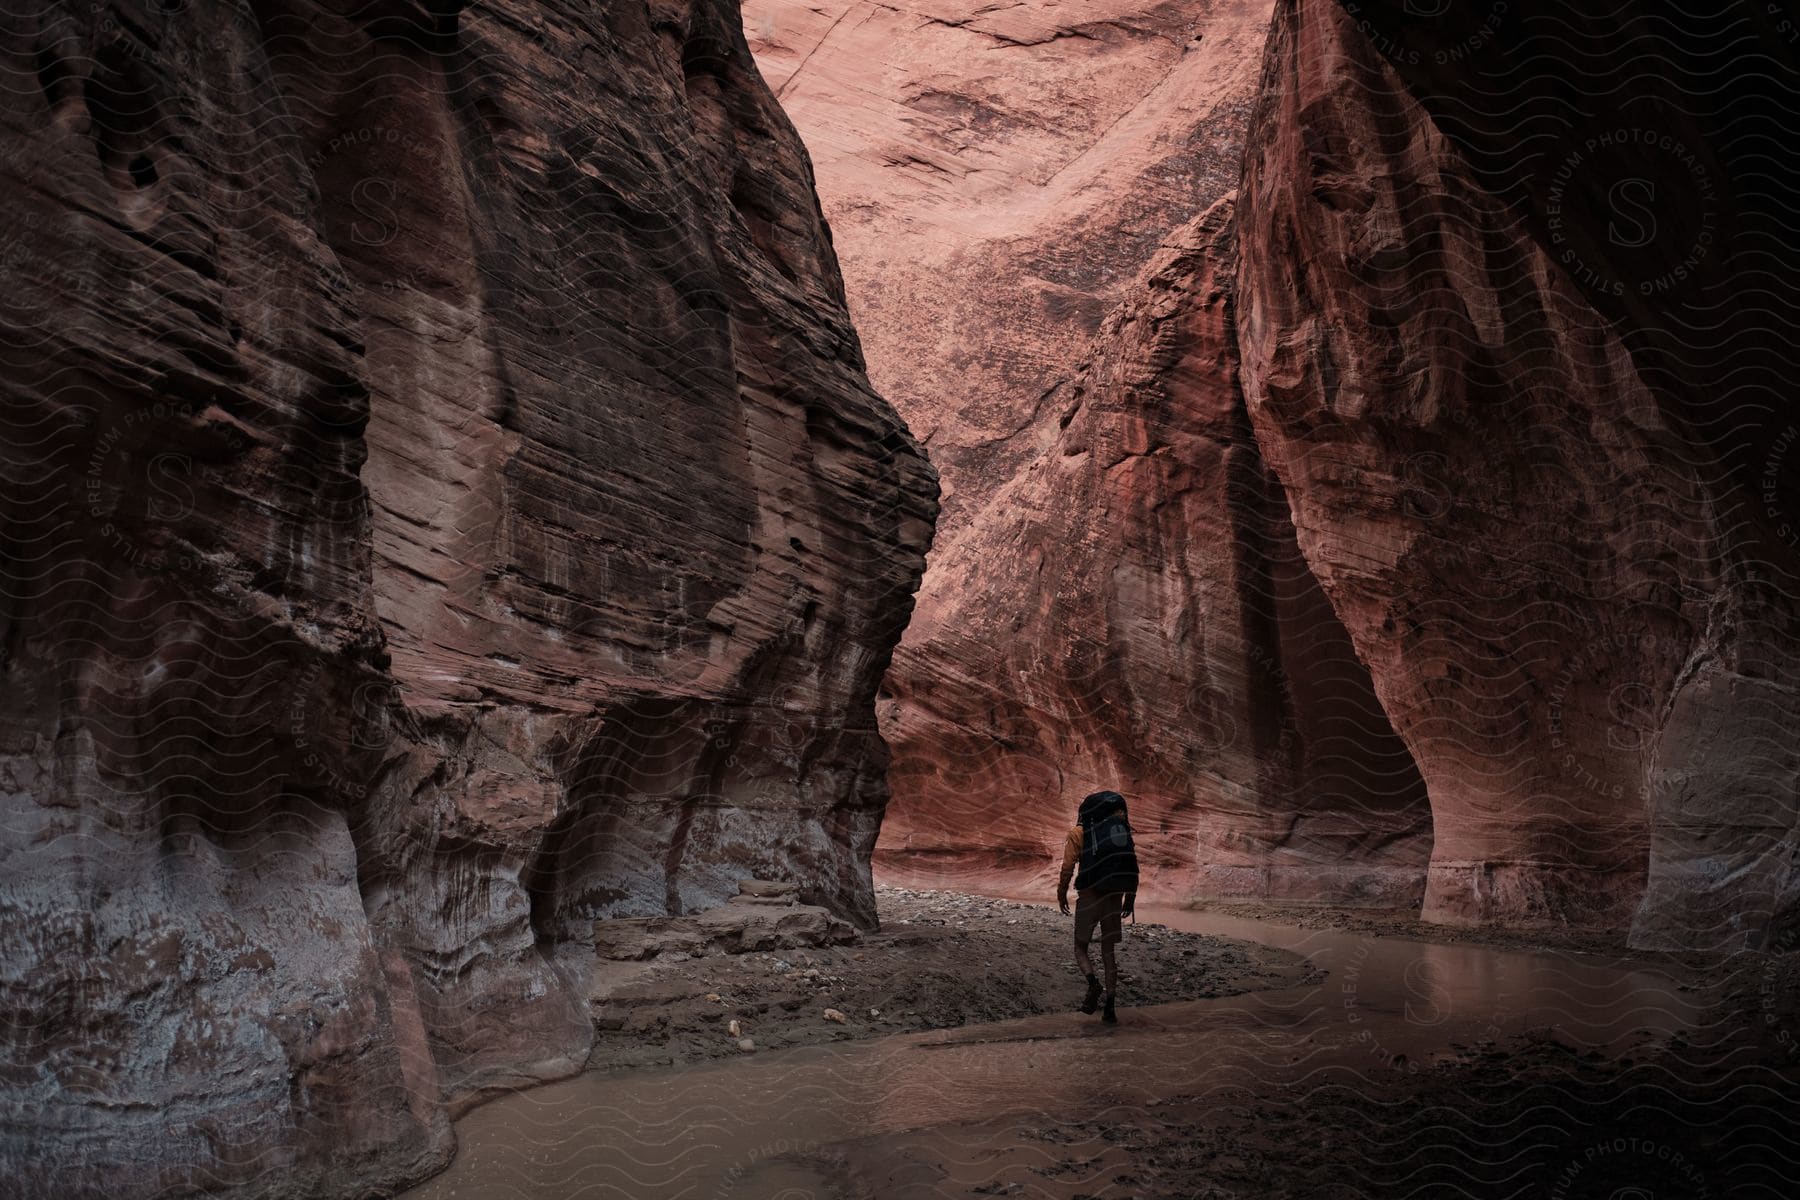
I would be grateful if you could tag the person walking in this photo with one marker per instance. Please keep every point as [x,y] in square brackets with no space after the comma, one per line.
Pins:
[1099,855]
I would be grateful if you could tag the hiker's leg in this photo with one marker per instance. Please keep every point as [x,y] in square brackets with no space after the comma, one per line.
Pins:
[1109,961]
[1085,914]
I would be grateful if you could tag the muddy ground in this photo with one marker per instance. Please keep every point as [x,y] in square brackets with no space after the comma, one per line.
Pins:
[1270,1095]
[1532,1120]
[1714,1112]
[940,960]
[1380,922]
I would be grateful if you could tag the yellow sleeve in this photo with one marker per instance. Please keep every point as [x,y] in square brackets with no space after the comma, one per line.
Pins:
[1071,855]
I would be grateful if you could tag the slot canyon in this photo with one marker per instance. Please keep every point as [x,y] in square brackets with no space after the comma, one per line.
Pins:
[568,565]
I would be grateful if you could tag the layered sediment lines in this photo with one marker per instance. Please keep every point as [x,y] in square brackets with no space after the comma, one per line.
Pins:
[999,181]
[996,177]
[444,505]
[1539,558]
[1510,448]
[1131,611]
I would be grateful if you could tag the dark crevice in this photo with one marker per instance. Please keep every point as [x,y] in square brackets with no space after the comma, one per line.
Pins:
[756,207]
[54,77]
[121,110]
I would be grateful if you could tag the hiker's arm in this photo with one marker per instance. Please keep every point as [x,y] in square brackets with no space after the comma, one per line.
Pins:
[1070,853]
[1129,908]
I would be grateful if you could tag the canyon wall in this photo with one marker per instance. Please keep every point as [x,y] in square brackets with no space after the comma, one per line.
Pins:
[1544,561]
[996,177]
[443,505]
[1511,445]
[1131,610]
[998,180]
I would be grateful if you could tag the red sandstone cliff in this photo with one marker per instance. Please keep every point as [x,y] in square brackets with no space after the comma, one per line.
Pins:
[998,181]
[1130,610]
[1527,479]
[1542,560]
[443,505]
[997,176]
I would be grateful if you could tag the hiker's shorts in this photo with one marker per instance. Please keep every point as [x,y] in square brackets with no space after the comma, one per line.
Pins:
[1101,909]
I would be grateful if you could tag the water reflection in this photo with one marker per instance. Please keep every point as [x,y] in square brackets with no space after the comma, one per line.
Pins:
[766,1125]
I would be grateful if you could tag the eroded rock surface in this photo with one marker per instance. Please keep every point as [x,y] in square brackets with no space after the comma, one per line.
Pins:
[443,506]
[755,919]
[1540,558]
[996,177]
[1511,367]
[1131,611]
[998,180]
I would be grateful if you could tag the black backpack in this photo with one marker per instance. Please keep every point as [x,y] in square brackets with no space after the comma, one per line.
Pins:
[1108,859]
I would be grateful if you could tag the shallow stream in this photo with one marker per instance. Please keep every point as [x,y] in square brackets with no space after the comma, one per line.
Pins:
[766,1124]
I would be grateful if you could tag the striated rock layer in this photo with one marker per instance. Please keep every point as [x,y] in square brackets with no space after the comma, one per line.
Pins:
[997,176]
[1541,559]
[1509,367]
[1131,610]
[999,179]
[443,506]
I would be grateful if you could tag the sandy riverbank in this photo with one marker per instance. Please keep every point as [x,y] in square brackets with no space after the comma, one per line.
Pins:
[940,960]
[1325,1057]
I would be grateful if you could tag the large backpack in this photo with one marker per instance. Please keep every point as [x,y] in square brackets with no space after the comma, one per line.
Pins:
[1108,859]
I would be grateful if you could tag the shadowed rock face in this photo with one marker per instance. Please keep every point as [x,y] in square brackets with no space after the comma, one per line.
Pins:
[1543,561]
[443,506]
[1509,364]
[1131,611]
[1634,145]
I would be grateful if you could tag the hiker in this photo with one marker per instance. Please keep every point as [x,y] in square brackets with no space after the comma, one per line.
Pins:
[1105,889]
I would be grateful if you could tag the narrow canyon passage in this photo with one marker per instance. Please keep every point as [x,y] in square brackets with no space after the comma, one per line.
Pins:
[516,514]
[1326,463]
[954,1103]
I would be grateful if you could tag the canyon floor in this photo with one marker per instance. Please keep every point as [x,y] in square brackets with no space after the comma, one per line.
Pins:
[1320,1053]
[940,960]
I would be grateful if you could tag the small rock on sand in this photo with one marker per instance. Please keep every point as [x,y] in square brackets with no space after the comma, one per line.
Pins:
[746,1044]
[832,1014]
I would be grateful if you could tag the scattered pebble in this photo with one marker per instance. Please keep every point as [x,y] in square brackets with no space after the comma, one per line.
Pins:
[995,961]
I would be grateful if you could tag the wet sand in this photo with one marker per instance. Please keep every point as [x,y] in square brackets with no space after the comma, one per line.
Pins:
[1395,1067]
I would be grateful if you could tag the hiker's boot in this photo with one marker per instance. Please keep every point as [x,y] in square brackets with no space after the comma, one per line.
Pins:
[1107,1014]
[1093,996]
